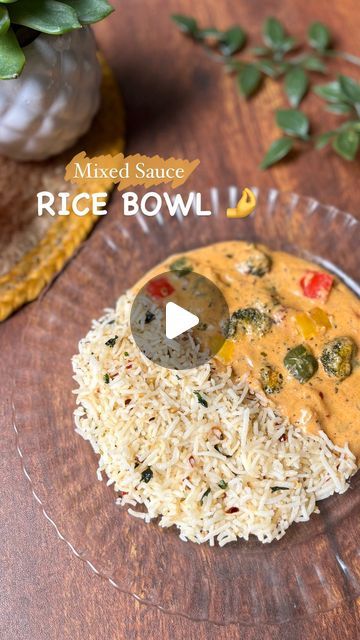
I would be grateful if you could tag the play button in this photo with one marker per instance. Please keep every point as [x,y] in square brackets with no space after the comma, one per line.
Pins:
[179,319]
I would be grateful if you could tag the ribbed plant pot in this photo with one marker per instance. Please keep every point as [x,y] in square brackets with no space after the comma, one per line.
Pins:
[53,102]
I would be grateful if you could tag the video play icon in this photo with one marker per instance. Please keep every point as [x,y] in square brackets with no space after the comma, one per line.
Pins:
[178,320]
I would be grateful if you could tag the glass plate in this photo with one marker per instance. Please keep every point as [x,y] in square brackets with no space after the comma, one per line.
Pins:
[315,567]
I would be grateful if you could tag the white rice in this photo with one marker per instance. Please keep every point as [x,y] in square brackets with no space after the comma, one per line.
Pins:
[148,416]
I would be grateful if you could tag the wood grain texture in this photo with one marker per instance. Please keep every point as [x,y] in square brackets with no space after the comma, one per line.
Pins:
[179,103]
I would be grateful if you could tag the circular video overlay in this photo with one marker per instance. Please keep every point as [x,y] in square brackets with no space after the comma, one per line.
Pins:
[179,320]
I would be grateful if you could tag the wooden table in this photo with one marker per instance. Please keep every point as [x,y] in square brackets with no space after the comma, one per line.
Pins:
[179,103]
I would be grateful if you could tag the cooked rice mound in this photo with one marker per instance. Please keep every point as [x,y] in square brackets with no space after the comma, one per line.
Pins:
[217,472]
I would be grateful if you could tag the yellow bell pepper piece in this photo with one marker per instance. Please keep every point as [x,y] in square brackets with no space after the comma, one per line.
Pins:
[320,317]
[244,207]
[226,353]
[305,325]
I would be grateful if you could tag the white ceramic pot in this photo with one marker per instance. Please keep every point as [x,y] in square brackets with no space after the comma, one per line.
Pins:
[53,102]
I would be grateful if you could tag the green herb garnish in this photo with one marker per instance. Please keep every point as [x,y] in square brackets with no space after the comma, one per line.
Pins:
[223,485]
[146,475]
[126,353]
[201,400]
[106,378]
[273,489]
[149,317]
[204,495]
[111,342]
[219,450]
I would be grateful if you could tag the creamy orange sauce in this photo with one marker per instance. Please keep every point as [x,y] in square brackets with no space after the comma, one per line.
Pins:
[323,402]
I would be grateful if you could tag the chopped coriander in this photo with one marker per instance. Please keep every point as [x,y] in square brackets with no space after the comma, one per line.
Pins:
[223,485]
[126,353]
[106,378]
[146,475]
[111,342]
[204,495]
[149,317]
[218,449]
[201,400]
[273,489]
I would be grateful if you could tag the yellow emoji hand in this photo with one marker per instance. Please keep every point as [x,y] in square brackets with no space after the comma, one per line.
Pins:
[244,207]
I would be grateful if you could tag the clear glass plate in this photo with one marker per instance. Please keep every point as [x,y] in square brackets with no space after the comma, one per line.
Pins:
[315,567]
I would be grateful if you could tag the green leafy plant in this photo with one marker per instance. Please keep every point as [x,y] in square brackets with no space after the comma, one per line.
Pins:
[342,97]
[40,16]
[280,57]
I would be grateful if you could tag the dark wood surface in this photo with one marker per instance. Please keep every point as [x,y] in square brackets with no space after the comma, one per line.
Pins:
[178,103]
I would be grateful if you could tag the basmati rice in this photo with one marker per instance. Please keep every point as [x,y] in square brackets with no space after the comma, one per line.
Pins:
[224,471]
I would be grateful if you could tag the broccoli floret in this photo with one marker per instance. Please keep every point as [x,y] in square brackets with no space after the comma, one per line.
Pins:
[181,267]
[271,380]
[250,321]
[257,264]
[337,356]
[301,363]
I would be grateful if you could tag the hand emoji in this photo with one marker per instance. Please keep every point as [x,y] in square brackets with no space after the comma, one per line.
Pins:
[244,207]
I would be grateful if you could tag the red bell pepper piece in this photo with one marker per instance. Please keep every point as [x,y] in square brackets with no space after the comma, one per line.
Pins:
[160,288]
[315,284]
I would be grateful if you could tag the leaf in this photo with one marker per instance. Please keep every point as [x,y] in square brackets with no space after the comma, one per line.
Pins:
[277,151]
[186,24]
[232,66]
[210,33]
[46,16]
[339,108]
[90,11]
[12,58]
[350,88]
[232,41]
[269,67]
[331,92]
[314,64]
[346,144]
[273,33]
[293,122]
[323,139]
[288,44]
[296,85]
[319,36]
[260,51]
[350,124]
[249,79]
[4,20]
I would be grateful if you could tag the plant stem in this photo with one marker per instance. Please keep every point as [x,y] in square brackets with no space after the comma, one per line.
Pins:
[349,57]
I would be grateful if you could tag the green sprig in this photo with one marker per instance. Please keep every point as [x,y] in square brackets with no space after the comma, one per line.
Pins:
[342,97]
[281,57]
